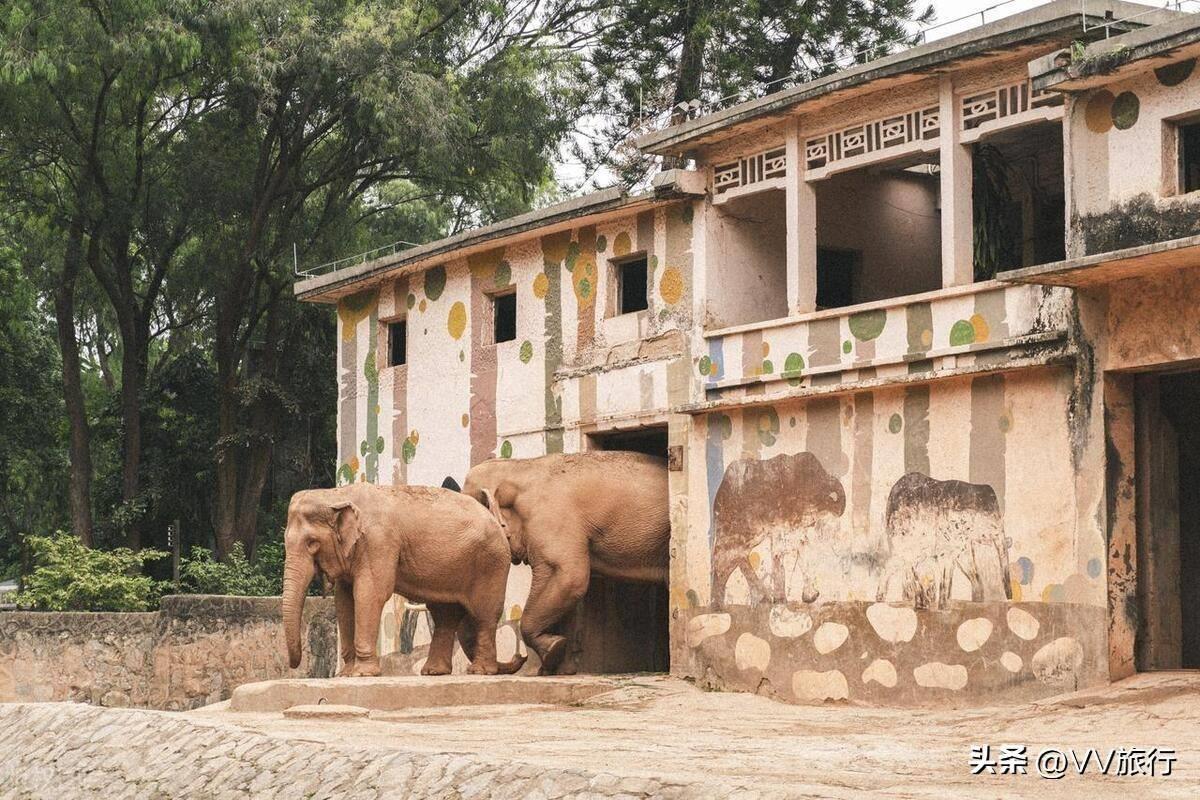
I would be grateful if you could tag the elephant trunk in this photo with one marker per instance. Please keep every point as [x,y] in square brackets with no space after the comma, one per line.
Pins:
[297,575]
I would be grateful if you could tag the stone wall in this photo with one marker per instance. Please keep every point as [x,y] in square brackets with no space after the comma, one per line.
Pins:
[192,652]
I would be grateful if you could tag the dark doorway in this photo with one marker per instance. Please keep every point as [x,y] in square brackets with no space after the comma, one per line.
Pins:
[1168,520]
[623,626]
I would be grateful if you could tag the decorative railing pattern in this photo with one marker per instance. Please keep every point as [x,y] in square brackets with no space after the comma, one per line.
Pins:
[1003,101]
[749,170]
[869,137]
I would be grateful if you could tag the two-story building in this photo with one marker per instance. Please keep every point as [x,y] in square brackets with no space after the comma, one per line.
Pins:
[914,338]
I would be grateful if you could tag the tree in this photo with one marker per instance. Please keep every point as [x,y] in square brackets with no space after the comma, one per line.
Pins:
[651,56]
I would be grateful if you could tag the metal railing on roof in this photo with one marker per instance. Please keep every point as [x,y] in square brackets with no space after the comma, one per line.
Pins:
[350,261]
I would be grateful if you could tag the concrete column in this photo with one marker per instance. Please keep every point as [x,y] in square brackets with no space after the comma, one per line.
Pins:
[957,226]
[802,229]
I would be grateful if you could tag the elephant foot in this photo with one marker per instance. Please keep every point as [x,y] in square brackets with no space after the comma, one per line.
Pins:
[482,669]
[346,670]
[435,669]
[552,658]
[363,669]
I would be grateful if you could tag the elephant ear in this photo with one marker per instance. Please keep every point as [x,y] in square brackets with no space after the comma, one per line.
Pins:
[347,529]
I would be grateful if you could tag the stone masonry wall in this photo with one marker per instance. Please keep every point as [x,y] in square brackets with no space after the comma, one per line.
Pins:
[191,652]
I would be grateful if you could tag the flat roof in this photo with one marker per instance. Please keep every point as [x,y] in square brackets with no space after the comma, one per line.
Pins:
[1115,265]
[1111,60]
[667,187]
[1061,20]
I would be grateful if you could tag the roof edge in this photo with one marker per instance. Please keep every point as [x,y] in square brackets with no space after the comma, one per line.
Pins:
[1109,60]
[1057,17]
[667,186]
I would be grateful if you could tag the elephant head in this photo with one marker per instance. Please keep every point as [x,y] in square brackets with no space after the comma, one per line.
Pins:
[320,536]
[489,486]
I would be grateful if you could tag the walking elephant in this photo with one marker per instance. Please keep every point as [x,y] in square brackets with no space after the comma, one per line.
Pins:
[430,545]
[939,528]
[568,516]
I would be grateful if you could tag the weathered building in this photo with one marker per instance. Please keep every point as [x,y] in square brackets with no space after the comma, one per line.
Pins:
[913,337]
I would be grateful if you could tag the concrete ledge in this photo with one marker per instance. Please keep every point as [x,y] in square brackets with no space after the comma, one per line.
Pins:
[398,693]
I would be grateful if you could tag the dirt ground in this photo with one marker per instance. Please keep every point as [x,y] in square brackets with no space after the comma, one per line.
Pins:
[726,743]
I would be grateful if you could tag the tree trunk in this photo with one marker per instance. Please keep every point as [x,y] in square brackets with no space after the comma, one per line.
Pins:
[133,376]
[691,66]
[225,516]
[68,345]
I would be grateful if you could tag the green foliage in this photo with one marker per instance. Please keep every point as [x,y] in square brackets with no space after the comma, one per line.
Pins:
[203,574]
[996,216]
[70,577]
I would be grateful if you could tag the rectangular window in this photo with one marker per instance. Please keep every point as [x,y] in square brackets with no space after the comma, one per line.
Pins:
[504,307]
[631,285]
[397,343]
[1189,157]
[835,277]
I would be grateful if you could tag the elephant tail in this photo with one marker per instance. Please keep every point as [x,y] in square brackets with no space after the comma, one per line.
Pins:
[512,665]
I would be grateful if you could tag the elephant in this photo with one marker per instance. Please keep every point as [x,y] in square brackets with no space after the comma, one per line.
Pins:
[567,515]
[781,501]
[430,545]
[938,528]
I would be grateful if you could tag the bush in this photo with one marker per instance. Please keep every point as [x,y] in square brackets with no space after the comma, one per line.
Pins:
[70,577]
[202,574]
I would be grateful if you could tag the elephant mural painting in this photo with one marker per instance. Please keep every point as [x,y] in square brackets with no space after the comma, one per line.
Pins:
[430,545]
[567,515]
[781,501]
[939,528]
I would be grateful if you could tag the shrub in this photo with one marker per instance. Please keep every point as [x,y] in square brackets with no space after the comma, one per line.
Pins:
[70,577]
[202,574]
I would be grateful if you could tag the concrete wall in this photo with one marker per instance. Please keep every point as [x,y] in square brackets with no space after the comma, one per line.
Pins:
[1121,160]
[574,368]
[191,652]
[747,243]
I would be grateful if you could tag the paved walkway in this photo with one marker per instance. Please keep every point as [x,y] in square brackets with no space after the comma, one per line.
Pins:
[651,737]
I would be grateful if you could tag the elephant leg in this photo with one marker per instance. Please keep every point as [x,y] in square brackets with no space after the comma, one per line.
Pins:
[446,620]
[554,591]
[343,601]
[569,627]
[368,606]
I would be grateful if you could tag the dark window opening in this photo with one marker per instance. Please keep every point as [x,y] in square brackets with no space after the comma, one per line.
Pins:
[623,626]
[631,286]
[835,277]
[397,343]
[505,317]
[1189,157]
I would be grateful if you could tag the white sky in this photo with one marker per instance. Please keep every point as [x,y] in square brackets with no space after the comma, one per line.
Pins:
[953,16]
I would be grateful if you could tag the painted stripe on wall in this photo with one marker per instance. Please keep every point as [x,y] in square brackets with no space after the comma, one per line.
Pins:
[916,429]
[554,252]
[483,368]
[987,433]
[399,396]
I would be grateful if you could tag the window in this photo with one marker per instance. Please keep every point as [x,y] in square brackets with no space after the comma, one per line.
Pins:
[1189,157]
[397,343]
[631,285]
[504,309]
[835,277]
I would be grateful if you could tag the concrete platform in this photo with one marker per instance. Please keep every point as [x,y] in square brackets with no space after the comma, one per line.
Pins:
[405,692]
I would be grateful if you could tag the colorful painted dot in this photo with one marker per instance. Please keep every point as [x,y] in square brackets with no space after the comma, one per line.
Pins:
[456,321]
[766,349]
[767,367]
[1006,422]
[895,423]
[867,325]
[847,346]
[435,283]
[1024,571]
[422,306]
[526,352]
[410,301]
[962,333]
[506,449]
[981,327]
[1125,111]
[705,365]
[541,285]
[601,243]
[1093,567]
[670,286]
[622,244]
[1097,114]
[793,367]
[1175,74]
[466,420]
[409,450]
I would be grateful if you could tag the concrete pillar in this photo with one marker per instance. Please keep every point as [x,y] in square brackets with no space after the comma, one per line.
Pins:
[801,230]
[958,257]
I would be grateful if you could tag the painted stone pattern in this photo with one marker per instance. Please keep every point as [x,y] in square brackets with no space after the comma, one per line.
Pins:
[461,398]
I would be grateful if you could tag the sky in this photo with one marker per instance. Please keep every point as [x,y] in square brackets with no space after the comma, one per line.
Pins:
[953,16]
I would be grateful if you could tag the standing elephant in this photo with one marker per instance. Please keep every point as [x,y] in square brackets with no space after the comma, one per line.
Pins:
[939,528]
[569,515]
[429,545]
